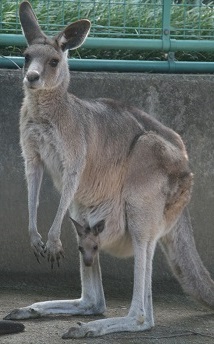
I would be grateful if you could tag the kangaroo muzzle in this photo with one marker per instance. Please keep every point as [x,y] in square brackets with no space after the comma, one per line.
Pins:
[32,76]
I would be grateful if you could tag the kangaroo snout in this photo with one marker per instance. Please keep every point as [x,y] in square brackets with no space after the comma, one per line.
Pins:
[33,79]
[32,76]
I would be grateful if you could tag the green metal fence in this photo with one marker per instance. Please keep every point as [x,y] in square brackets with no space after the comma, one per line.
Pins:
[163,25]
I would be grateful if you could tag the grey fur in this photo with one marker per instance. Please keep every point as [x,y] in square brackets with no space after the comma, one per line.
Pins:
[109,162]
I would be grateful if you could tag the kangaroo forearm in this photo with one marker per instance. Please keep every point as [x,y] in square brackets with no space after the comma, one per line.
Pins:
[34,180]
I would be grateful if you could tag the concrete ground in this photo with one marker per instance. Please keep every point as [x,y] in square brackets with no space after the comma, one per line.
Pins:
[178,319]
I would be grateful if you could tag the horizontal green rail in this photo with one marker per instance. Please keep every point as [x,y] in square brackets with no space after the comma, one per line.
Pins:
[125,43]
[124,65]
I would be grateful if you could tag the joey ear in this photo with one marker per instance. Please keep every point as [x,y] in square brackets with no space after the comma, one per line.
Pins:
[29,24]
[80,229]
[74,35]
[98,228]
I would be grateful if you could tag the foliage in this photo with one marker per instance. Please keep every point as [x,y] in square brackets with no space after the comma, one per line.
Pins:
[119,18]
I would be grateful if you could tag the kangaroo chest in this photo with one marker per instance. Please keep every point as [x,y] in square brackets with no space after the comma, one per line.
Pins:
[44,139]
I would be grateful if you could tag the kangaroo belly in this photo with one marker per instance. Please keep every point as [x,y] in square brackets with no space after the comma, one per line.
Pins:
[54,166]
[116,239]
[121,247]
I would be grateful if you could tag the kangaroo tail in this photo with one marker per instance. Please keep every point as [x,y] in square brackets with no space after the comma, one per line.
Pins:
[180,250]
[8,326]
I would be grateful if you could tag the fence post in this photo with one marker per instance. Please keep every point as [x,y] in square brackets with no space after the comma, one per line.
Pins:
[166,25]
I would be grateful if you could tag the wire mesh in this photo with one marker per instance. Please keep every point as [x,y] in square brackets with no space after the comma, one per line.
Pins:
[190,19]
[114,18]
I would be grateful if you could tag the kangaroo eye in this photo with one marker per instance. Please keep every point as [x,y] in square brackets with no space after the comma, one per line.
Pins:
[53,62]
[95,248]
[27,58]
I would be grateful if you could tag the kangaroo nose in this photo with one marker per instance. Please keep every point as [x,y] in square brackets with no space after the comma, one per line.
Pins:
[33,76]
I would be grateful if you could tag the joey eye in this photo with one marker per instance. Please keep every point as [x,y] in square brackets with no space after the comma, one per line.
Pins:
[81,249]
[53,62]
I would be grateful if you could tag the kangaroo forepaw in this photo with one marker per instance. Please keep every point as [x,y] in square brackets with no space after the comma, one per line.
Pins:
[54,252]
[37,246]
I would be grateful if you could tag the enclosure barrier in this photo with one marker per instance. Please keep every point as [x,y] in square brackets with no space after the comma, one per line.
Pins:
[162,25]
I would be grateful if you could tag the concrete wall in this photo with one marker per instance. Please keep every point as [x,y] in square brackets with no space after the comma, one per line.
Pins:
[183,102]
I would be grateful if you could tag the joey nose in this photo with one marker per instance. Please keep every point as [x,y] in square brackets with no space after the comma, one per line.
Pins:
[33,76]
[88,261]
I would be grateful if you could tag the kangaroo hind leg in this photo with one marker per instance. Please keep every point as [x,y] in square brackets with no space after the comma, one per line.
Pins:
[92,300]
[140,316]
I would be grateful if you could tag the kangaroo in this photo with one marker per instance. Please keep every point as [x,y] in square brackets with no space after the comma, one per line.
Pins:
[110,162]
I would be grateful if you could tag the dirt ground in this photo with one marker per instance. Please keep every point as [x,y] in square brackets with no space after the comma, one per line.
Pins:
[178,319]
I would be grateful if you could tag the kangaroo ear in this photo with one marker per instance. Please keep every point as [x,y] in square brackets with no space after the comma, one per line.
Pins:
[30,25]
[80,229]
[98,228]
[74,35]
